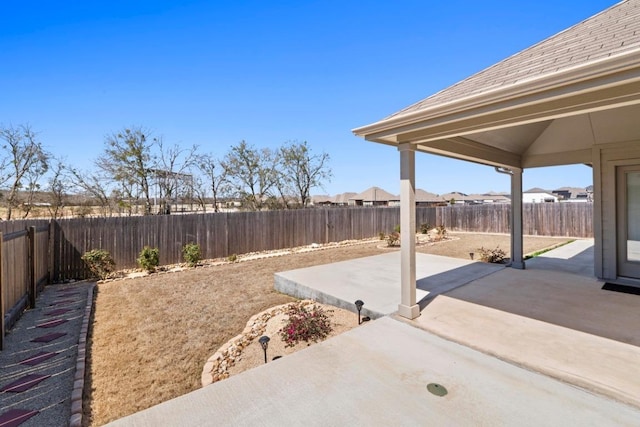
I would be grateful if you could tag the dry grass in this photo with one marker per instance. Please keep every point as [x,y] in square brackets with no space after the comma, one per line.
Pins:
[151,336]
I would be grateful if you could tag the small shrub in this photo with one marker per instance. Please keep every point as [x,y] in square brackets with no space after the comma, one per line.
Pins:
[232,258]
[396,229]
[496,255]
[191,254]
[149,259]
[441,232]
[382,235]
[306,324]
[424,228]
[100,263]
[393,239]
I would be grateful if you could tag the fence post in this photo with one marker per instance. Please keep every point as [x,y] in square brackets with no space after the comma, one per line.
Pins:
[326,226]
[49,252]
[31,237]
[1,295]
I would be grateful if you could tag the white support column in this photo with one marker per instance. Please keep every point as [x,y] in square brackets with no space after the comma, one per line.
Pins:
[408,307]
[517,257]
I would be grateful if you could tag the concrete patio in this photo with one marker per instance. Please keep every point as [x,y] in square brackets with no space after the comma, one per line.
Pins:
[542,346]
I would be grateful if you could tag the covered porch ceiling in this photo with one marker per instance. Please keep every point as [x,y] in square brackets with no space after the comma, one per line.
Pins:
[547,105]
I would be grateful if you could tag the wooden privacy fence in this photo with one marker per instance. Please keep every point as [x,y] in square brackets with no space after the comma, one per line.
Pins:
[24,270]
[539,219]
[217,234]
[34,252]
[223,234]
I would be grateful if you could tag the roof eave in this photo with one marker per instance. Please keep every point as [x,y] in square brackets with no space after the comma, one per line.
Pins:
[610,71]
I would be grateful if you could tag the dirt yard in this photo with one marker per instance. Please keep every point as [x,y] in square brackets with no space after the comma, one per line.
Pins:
[151,336]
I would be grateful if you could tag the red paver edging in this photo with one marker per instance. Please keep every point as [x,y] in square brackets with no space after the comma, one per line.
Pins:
[24,383]
[58,312]
[15,417]
[38,358]
[49,337]
[78,379]
[52,323]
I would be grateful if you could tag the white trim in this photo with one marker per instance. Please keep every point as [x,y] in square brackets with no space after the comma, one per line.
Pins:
[570,77]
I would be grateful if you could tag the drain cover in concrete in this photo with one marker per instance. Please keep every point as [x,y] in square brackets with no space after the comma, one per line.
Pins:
[437,389]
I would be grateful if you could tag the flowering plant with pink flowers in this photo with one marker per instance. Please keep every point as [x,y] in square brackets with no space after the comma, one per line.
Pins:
[305,323]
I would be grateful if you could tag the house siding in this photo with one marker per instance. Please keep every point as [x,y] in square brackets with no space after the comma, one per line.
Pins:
[610,157]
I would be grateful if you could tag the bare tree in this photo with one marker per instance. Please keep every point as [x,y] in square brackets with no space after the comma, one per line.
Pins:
[171,173]
[215,174]
[200,193]
[57,186]
[94,185]
[23,163]
[301,170]
[128,160]
[252,172]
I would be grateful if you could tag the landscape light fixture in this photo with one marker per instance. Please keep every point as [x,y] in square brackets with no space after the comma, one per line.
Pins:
[359,305]
[264,343]
[471,255]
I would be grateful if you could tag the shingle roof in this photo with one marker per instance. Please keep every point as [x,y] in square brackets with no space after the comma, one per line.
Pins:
[375,194]
[343,198]
[537,190]
[609,33]
[425,196]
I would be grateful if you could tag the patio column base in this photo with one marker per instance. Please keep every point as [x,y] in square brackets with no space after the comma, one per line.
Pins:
[518,265]
[410,312]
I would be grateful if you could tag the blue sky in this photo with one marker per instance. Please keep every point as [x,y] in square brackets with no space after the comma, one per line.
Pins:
[215,73]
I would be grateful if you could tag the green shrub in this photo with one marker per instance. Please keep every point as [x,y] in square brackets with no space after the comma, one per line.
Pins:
[425,227]
[496,255]
[232,258]
[396,229]
[441,232]
[382,235]
[99,262]
[306,324]
[191,254]
[149,258]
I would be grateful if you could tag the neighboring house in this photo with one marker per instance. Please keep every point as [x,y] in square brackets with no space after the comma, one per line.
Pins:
[424,198]
[374,196]
[459,198]
[573,98]
[538,195]
[342,199]
[573,194]
[455,198]
[490,198]
[322,200]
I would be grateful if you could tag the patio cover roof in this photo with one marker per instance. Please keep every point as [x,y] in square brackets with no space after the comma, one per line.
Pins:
[546,105]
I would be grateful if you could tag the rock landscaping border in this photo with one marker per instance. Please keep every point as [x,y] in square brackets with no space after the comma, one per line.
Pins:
[250,256]
[217,366]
